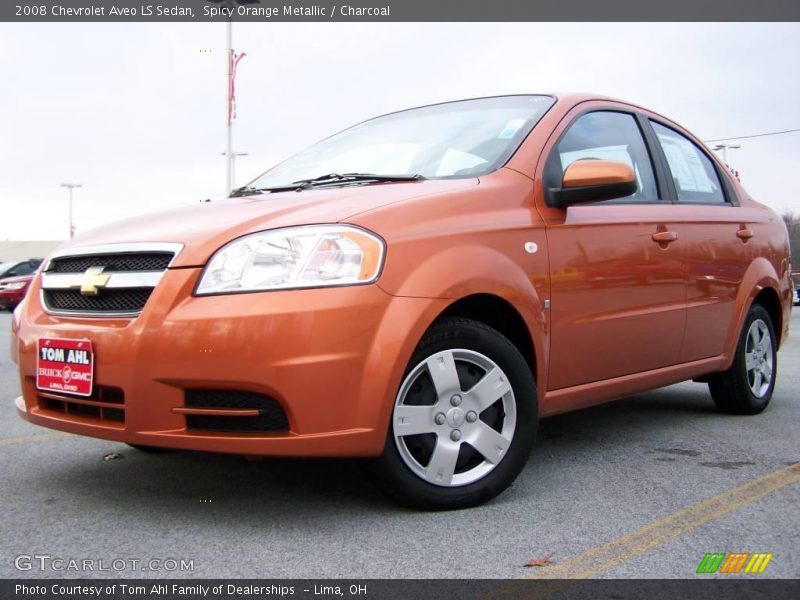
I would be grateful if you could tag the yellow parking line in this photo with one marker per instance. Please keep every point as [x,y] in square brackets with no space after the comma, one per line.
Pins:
[44,437]
[604,558]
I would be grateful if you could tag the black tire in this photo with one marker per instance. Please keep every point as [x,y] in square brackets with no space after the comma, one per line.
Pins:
[732,390]
[517,412]
[151,449]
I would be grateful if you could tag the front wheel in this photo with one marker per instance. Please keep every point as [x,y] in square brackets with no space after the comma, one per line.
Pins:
[746,388]
[464,419]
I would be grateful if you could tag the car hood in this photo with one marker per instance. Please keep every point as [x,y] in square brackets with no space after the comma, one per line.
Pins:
[204,227]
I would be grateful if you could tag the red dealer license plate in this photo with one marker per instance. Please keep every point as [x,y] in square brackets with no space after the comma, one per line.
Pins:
[65,366]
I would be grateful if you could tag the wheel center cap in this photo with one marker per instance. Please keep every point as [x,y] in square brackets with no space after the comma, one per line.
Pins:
[456,416]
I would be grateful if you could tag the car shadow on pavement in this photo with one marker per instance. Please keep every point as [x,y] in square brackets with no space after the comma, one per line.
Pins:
[666,407]
[210,486]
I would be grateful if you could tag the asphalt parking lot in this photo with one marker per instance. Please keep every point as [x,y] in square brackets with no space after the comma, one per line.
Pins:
[637,488]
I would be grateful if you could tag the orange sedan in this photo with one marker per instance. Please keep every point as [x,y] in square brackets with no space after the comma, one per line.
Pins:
[419,289]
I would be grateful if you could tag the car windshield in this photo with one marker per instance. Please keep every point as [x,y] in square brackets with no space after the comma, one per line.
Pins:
[456,139]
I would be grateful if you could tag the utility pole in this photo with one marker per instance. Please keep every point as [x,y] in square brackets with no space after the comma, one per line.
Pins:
[229,87]
[232,162]
[70,187]
[228,108]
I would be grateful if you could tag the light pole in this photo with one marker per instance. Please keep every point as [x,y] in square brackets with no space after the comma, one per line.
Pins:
[229,158]
[232,163]
[229,83]
[724,148]
[70,187]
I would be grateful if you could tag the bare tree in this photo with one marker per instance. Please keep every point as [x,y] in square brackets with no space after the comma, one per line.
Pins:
[793,225]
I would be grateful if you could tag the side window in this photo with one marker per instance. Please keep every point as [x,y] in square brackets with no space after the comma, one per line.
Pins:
[695,177]
[26,268]
[609,136]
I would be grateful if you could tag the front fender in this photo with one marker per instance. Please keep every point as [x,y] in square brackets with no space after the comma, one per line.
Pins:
[442,276]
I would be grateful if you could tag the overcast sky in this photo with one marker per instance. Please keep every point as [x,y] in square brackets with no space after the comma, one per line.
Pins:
[136,112]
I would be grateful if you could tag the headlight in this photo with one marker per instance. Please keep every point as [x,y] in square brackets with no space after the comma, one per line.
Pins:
[295,257]
[17,285]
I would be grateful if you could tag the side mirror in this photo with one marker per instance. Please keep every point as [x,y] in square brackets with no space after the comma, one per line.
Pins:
[591,180]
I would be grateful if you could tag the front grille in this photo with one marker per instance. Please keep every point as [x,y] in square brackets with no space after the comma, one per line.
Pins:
[105,404]
[119,263]
[271,416]
[114,280]
[117,300]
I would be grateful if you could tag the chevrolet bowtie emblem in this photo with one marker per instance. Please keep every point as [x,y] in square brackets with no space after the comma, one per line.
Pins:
[93,280]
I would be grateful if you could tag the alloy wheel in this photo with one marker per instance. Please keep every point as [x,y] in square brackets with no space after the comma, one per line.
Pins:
[759,358]
[454,418]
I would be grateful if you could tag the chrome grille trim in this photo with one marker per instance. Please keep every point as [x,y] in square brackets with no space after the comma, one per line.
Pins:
[125,279]
[117,280]
[132,248]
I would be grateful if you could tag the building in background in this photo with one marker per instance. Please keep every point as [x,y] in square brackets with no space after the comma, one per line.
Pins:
[16,250]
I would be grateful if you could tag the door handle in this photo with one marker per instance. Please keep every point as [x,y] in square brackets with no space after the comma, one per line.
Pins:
[745,234]
[665,237]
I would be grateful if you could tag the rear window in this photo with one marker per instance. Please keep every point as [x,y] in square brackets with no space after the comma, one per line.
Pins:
[694,175]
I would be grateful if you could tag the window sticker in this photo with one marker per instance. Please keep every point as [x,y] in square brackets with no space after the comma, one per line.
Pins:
[511,128]
[684,161]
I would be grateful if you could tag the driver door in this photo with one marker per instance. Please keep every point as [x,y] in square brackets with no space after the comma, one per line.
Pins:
[617,294]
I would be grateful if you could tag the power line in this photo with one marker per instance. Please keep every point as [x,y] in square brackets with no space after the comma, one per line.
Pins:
[757,135]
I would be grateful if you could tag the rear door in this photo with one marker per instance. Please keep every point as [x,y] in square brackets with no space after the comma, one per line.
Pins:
[717,234]
[617,294]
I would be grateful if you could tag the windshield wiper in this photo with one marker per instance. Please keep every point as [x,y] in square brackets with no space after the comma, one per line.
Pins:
[247,190]
[336,179]
[323,181]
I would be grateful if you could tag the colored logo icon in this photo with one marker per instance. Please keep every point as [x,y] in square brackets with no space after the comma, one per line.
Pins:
[735,562]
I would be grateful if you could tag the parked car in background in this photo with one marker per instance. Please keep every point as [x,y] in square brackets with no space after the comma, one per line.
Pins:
[420,290]
[15,278]
[13,290]
[19,267]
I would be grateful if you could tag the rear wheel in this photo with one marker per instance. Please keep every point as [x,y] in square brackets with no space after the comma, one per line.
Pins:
[463,421]
[746,388]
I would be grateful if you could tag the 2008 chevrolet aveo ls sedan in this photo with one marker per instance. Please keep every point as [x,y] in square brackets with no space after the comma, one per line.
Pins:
[420,289]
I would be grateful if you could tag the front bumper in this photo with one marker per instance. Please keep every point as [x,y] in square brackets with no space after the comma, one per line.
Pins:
[332,358]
